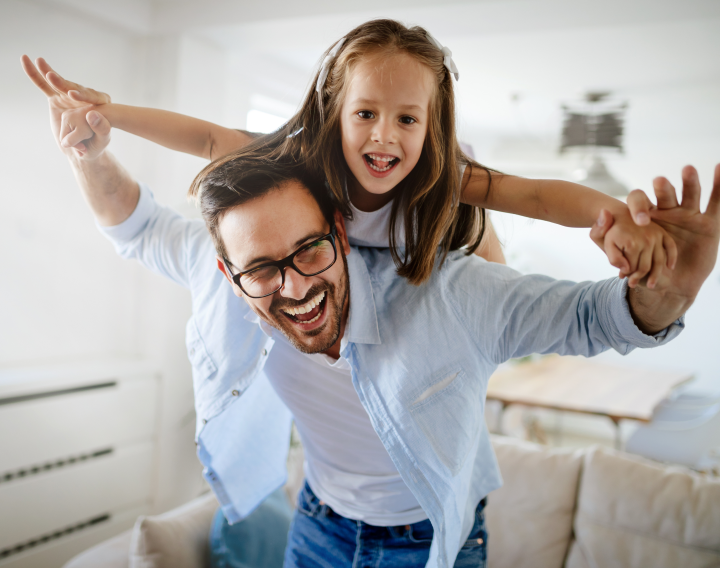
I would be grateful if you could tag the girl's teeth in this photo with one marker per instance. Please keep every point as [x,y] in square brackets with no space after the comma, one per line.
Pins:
[389,162]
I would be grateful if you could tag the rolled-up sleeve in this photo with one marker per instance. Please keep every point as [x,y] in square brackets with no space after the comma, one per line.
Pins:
[159,238]
[513,315]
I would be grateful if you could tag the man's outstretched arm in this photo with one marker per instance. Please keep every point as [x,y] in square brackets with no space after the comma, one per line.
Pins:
[108,188]
[696,234]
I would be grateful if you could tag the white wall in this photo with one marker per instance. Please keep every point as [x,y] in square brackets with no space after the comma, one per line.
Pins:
[64,294]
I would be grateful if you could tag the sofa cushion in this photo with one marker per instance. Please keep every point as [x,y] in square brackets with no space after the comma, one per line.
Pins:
[637,513]
[176,539]
[530,518]
[112,553]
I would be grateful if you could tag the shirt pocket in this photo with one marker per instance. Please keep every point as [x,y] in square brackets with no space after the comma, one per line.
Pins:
[449,416]
[202,364]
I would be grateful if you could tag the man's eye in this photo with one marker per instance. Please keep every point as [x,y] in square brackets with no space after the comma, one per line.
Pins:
[366,114]
[407,120]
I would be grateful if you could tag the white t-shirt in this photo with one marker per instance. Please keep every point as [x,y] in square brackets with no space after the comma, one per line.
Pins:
[346,464]
[371,229]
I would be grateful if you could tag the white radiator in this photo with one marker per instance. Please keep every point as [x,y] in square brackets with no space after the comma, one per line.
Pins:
[77,457]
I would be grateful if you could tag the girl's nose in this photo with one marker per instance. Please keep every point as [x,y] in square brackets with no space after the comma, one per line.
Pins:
[384,132]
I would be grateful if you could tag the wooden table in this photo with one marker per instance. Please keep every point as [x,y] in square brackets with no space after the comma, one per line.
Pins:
[577,384]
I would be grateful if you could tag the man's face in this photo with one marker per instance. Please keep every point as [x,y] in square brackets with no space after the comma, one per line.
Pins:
[271,228]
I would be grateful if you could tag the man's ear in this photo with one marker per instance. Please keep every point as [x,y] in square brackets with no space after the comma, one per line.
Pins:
[222,268]
[342,232]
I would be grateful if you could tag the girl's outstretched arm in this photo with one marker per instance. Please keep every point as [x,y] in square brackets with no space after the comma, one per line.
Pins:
[169,129]
[635,245]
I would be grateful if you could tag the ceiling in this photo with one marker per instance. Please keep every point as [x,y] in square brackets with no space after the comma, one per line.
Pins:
[518,59]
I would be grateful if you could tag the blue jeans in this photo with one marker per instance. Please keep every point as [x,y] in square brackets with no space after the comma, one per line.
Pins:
[320,538]
[258,541]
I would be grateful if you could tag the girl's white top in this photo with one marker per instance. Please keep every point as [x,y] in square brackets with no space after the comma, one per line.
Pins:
[372,229]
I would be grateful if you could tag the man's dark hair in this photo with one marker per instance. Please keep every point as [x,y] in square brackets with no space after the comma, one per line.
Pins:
[237,179]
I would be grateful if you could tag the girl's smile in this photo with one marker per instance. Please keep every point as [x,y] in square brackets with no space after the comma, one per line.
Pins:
[380,165]
[383,123]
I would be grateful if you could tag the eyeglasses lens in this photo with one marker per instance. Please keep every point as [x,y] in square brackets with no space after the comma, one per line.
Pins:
[313,259]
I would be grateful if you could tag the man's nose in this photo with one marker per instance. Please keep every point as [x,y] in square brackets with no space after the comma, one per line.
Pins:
[296,285]
[384,132]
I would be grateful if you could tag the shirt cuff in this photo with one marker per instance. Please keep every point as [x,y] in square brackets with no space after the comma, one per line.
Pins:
[133,225]
[631,332]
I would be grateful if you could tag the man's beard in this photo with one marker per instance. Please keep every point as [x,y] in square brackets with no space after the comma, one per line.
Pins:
[333,297]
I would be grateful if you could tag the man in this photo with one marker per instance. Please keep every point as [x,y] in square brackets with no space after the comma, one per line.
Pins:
[388,391]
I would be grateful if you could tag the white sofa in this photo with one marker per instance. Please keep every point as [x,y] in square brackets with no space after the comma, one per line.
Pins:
[588,508]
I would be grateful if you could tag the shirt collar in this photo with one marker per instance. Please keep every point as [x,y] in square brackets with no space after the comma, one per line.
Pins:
[362,323]
[251,316]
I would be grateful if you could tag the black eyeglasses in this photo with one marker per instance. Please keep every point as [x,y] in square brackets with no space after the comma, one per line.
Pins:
[310,259]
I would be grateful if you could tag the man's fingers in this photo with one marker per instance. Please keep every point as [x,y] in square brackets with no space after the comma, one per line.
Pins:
[49,74]
[643,267]
[62,86]
[81,96]
[76,92]
[101,127]
[658,264]
[639,206]
[713,207]
[65,128]
[602,224]
[691,189]
[76,136]
[617,259]
[35,76]
[99,124]
[665,193]
[670,251]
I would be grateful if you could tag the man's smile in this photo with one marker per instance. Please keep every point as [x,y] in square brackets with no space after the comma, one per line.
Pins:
[306,315]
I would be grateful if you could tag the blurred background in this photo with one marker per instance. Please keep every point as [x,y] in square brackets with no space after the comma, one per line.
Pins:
[74,316]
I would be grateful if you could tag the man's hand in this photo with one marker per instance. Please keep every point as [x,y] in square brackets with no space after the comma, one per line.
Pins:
[65,98]
[110,191]
[641,252]
[696,235]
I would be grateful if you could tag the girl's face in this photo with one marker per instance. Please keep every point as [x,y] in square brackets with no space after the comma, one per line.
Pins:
[383,121]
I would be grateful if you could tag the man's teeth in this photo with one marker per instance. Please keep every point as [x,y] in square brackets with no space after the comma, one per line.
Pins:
[305,308]
[313,319]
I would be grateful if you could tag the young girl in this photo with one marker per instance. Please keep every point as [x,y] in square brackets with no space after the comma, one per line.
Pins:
[379,122]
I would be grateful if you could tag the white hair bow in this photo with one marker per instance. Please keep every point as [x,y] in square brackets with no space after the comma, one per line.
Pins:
[448,60]
[325,67]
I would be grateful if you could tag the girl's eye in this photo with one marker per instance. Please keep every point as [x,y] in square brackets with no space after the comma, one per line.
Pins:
[366,114]
[407,120]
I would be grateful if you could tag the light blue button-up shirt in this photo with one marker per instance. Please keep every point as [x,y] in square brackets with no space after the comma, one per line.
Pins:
[420,356]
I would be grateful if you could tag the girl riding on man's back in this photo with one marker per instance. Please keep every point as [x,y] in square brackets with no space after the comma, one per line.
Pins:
[379,125]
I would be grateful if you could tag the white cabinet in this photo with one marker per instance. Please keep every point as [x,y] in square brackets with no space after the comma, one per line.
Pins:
[77,457]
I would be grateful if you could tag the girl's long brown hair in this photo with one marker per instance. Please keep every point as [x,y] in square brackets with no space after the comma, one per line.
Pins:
[429,196]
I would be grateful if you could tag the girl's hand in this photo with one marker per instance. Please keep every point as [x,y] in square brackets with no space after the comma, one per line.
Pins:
[638,251]
[63,96]
[75,128]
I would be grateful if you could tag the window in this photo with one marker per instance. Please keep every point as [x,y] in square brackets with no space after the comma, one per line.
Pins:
[259,121]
